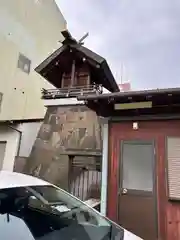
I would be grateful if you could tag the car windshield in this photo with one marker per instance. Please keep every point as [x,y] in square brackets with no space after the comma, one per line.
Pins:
[49,213]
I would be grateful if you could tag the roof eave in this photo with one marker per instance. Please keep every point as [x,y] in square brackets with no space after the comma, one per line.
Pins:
[110,83]
[42,66]
[117,95]
[113,86]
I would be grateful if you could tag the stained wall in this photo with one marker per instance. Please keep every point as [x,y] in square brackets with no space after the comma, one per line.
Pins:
[64,127]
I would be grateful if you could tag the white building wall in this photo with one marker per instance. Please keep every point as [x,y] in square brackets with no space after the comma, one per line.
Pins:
[62,102]
[19,139]
[32,28]
[29,134]
[12,142]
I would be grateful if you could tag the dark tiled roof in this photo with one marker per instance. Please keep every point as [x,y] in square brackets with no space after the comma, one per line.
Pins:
[106,77]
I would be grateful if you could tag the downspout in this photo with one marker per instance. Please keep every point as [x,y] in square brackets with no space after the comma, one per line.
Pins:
[104,181]
[20,138]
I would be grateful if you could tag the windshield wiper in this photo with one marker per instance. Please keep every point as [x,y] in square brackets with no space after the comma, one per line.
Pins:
[8,217]
[54,204]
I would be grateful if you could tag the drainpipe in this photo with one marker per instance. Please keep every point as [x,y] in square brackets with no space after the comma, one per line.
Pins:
[20,138]
[104,181]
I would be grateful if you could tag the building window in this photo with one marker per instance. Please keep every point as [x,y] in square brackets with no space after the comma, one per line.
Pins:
[24,63]
[173,167]
[137,165]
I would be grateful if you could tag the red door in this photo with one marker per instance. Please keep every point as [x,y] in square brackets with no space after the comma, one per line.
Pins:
[136,200]
[133,208]
[133,179]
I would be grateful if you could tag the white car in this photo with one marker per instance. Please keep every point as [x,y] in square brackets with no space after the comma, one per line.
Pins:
[32,209]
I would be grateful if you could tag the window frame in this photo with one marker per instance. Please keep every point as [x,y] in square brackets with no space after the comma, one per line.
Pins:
[22,59]
[120,178]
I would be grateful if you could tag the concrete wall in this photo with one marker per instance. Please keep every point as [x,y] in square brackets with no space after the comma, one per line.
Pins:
[29,134]
[19,140]
[64,127]
[31,28]
[11,138]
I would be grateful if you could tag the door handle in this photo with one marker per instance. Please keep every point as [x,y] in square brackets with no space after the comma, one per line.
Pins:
[124,191]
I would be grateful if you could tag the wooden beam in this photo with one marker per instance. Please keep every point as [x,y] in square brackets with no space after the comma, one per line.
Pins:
[132,105]
[85,153]
[149,117]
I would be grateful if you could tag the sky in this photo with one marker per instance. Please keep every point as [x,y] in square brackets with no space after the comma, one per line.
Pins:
[143,35]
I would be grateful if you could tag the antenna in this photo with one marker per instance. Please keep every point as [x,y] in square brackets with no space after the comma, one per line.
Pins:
[82,39]
[121,73]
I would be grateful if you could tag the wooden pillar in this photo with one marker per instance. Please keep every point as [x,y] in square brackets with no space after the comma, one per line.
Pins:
[71,158]
[88,80]
[104,179]
[73,73]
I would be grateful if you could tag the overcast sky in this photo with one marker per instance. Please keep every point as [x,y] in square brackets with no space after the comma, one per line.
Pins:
[144,35]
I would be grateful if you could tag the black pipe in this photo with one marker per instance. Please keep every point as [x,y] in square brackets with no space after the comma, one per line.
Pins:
[20,138]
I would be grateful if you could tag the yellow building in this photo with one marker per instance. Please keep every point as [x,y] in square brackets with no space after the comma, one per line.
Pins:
[29,31]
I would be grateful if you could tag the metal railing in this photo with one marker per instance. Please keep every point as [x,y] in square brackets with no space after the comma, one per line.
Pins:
[71,91]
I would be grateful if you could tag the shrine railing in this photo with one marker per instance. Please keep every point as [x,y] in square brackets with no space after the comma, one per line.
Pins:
[71,91]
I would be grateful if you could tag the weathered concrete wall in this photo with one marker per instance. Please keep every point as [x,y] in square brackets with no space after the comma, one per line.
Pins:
[64,127]
[19,164]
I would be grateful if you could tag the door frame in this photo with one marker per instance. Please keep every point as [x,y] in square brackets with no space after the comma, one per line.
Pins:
[120,174]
